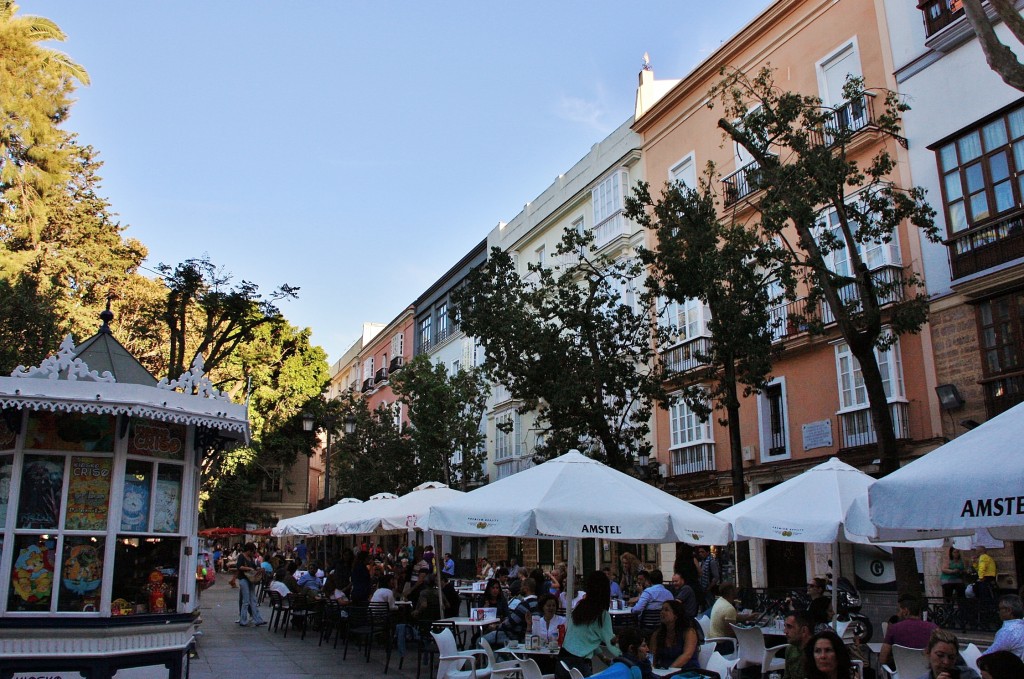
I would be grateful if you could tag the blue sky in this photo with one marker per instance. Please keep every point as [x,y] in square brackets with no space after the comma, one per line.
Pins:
[355,149]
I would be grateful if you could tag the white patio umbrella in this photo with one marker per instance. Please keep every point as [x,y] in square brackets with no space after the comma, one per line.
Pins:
[573,497]
[811,507]
[349,521]
[304,523]
[974,481]
[408,512]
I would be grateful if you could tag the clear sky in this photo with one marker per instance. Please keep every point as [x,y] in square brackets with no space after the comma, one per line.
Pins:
[355,149]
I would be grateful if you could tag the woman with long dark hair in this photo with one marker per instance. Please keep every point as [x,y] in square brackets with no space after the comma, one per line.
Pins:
[360,579]
[493,598]
[675,642]
[591,627]
[826,657]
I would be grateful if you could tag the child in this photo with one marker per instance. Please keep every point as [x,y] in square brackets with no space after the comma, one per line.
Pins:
[635,651]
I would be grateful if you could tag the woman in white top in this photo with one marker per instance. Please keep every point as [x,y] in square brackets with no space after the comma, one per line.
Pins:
[546,624]
[384,593]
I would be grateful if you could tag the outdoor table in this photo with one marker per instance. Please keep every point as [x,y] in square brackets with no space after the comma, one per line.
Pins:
[467,622]
[544,651]
[666,671]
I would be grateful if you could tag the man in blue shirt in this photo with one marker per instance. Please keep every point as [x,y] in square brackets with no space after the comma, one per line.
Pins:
[616,590]
[449,565]
[654,595]
[309,579]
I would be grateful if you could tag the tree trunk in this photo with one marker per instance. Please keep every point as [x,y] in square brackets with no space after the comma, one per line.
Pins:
[732,410]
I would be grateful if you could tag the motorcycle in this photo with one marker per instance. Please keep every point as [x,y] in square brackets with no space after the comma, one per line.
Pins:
[848,605]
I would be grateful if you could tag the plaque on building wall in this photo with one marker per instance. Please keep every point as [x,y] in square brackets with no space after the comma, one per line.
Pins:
[817,434]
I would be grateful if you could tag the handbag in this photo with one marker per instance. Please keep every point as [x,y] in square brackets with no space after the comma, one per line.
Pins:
[255,576]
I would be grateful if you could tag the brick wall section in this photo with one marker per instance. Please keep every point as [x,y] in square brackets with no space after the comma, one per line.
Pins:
[958,361]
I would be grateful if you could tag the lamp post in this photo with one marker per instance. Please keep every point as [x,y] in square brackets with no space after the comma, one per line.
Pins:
[330,423]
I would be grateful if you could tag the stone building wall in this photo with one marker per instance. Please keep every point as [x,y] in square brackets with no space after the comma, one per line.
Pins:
[958,361]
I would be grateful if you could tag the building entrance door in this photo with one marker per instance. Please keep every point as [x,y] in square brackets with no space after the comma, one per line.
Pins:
[786,564]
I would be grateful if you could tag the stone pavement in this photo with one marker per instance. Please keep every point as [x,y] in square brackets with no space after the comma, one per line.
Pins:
[225,649]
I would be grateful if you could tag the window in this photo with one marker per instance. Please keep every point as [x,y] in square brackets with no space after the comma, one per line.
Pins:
[834,70]
[692,443]
[874,253]
[940,13]
[773,421]
[685,428]
[396,409]
[397,345]
[1000,341]
[442,321]
[980,172]
[689,318]
[425,333]
[506,435]
[456,366]
[684,171]
[608,199]
[852,393]
[368,368]
[272,481]
[539,252]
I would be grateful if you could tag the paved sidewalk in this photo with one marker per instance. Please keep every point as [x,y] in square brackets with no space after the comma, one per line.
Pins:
[225,649]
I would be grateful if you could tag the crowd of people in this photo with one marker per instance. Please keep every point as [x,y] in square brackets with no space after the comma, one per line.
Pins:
[533,602]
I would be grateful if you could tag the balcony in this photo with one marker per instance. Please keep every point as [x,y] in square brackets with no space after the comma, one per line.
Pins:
[380,376]
[940,13]
[849,119]
[698,458]
[397,363]
[858,430]
[610,229]
[686,356]
[271,495]
[886,275]
[742,183]
[367,384]
[987,246]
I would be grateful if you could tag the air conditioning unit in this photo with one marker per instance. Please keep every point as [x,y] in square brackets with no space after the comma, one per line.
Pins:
[748,453]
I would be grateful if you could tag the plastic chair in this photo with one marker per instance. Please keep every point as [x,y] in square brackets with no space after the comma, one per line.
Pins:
[451,660]
[506,668]
[718,664]
[970,655]
[575,673]
[278,609]
[705,652]
[530,670]
[910,662]
[751,651]
[649,619]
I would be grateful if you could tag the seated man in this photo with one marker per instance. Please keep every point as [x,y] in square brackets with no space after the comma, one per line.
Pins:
[616,590]
[308,579]
[514,626]
[799,629]
[1010,636]
[653,595]
[724,614]
[684,594]
[911,631]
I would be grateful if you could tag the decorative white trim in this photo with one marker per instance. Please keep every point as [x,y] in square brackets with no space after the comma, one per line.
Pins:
[64,359]
[123,399]
[94,642]
[194,381]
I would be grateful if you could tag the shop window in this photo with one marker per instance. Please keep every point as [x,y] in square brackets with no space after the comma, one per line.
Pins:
[145,575]
[1001,342]
[81,574]
[32,573]
[42,483]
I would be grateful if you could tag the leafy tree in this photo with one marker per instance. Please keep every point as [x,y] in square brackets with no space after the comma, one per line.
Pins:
[730,267]
[802,148]
[377,457]
[35,87]
[207,316]
[999,56]
[571,346]
[445,411]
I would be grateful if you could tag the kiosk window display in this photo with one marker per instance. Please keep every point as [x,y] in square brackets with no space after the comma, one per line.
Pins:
[99,507]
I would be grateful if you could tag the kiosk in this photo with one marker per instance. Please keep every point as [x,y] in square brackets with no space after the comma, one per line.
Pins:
[99,484]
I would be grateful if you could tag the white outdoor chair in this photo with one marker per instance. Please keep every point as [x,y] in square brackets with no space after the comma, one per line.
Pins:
[532,671]
[575,673]
[451,660]
[970,654]
[705,624]
[704,654]
[718,664]
[506,668]
[910,663]
[751,651]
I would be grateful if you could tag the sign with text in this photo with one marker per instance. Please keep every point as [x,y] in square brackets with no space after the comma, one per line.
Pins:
[817,434]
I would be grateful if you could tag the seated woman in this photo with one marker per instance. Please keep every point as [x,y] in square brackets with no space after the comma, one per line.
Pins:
[821,612]
[826,657]
[676,640]
[493,598]
[634,652]
[943,655]
[546,624]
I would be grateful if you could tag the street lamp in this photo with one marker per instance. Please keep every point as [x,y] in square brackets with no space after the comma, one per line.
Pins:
[330,424]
